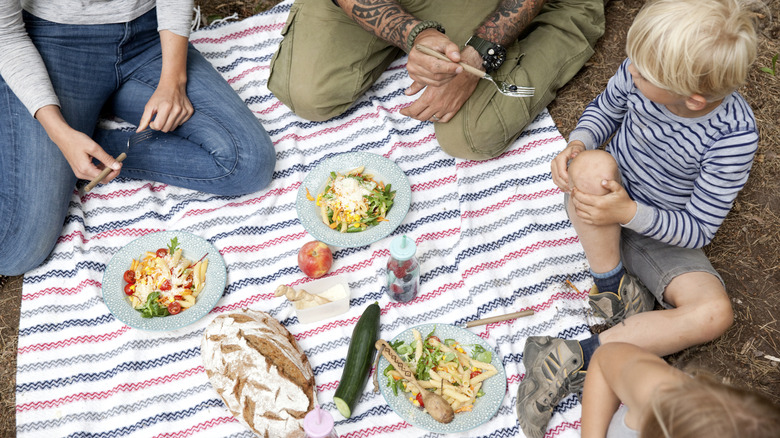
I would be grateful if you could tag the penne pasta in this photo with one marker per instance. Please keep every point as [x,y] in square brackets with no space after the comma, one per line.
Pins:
[444,368]
[456,395]
[353,201]
[485,375]
[204,265]
[164,282]
[176,257]
[419,347]
[188,301]
[483,365]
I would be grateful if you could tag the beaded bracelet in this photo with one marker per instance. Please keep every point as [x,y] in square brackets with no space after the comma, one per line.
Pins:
[421,26]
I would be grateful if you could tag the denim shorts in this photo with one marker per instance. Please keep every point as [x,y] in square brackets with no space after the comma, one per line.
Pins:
[656,264]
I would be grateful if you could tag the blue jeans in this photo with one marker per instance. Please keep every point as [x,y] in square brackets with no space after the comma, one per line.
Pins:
[221,149]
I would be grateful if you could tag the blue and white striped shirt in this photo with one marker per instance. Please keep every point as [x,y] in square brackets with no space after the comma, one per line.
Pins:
[684,173]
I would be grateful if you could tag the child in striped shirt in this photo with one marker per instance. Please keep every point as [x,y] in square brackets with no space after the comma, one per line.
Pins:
[679,146]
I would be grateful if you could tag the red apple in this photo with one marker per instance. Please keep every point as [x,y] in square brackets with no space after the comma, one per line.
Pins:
[315,259]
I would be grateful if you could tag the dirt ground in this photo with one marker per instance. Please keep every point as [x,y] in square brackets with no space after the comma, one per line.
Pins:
[746,250]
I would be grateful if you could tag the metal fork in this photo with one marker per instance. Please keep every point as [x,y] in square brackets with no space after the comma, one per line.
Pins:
[133,139]
[504,88]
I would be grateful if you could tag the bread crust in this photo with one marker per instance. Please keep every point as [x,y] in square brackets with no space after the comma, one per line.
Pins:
[262,374]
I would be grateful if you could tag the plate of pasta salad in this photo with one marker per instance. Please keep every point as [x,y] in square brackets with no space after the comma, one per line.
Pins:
[164,281]
[455,363]
[353,199]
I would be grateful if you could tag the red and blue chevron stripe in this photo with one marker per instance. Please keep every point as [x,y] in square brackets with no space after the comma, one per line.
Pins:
[492,238]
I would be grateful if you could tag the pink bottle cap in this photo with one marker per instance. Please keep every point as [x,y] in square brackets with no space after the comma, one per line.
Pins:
[318,423]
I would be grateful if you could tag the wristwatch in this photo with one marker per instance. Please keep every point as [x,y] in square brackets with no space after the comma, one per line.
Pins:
[493,55]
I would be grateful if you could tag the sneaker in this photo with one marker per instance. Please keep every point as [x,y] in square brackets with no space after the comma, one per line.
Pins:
[632,298]
[553,369]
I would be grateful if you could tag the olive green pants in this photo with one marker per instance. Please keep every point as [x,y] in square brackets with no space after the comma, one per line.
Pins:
[326,61]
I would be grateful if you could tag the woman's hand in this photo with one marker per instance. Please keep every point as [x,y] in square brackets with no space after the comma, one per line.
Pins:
[560,164]
[169,106]
[78,148]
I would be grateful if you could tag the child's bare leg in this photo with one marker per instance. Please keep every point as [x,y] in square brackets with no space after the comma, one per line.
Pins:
[601,243]
[702,313]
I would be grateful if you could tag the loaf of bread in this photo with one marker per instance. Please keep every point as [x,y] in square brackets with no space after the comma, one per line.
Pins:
[260,372]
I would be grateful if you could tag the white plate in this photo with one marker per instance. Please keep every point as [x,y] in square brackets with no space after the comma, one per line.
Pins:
[485,407]
[383,170]
[193,248]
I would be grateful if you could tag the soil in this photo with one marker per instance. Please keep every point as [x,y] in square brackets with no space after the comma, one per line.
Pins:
[746,250]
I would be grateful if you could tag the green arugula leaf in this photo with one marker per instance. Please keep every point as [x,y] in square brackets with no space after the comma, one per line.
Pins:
[173,245]
[152,308]
[480,354]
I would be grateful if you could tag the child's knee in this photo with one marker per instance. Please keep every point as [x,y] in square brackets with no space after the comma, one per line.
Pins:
[714,317]
[721,315]
[589,168]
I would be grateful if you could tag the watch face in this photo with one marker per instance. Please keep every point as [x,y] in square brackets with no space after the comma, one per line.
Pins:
[493,55]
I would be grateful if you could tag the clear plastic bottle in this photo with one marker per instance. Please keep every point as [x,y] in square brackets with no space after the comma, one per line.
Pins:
[403,270]
[318,423]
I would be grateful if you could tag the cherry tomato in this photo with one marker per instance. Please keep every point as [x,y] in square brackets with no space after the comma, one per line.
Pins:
[174,308]
[188,283]
[419,400]
[166,285]
[129,289]
[475,374]
[435,337]
[162,252]
[129,276]
[178,297]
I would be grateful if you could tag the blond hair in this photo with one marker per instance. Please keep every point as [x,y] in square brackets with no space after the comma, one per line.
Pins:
[692,47]
[704,407]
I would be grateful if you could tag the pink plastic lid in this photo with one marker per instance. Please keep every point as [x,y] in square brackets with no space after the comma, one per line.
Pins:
[318,423]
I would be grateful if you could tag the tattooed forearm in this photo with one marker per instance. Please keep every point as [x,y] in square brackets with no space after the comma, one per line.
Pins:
[509,19]
[384,18]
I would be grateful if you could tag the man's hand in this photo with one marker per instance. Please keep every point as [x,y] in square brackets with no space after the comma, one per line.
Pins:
[427,70]
[441,103]
[560,164]
[616,207]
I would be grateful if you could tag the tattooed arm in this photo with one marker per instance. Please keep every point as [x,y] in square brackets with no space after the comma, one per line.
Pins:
[446,90]
[389,21]
[509,19]
[384,18]
[503,26]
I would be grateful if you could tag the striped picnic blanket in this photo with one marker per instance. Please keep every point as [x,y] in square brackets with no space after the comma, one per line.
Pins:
[492,238]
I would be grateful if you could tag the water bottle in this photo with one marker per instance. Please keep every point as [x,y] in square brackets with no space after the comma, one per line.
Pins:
[318,423]
[403,270]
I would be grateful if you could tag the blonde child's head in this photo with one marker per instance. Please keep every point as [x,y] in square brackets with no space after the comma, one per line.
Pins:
[704,407]
[691,47]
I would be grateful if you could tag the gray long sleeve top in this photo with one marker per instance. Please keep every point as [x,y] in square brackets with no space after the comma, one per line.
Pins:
[21,65]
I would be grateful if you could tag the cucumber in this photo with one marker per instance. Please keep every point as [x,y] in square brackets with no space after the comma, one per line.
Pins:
[359,358]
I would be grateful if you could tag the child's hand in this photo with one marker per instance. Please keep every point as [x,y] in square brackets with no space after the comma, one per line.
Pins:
[560,165]
[614,207]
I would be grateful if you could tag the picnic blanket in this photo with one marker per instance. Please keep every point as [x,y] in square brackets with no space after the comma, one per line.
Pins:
[492,237]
